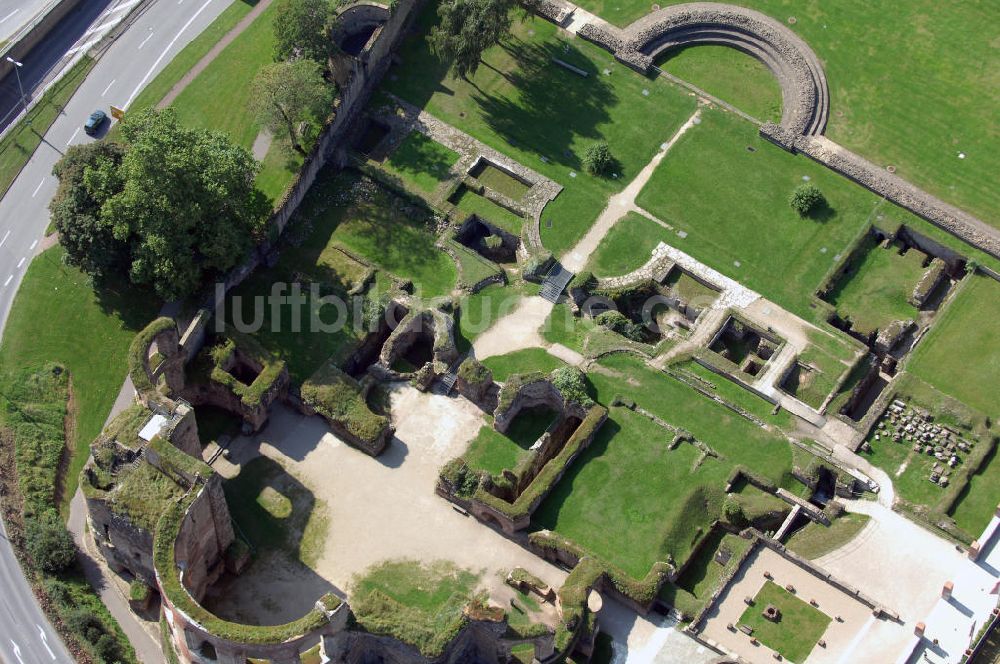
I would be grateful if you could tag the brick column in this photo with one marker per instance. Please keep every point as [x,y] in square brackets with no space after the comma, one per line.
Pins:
[949,587]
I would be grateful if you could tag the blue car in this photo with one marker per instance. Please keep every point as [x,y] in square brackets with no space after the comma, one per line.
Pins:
[94,122]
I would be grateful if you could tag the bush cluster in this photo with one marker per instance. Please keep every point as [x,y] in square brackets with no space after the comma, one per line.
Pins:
[807,199]
[618,322]
[598,159]
[572,385]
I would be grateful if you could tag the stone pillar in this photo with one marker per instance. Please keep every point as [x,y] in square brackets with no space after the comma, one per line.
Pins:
[974,550]
[919,629]
[949,587]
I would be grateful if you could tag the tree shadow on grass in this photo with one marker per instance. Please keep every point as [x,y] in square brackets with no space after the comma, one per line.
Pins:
[554,104]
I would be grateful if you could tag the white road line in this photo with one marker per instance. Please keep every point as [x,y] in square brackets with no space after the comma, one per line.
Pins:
[109,86]
[45,641]
[73,136]
[5,284]
[165,51]
[17,651]
[33,245]
[5,236]
[148,37]
[20,263]
[35,193]
[9,15]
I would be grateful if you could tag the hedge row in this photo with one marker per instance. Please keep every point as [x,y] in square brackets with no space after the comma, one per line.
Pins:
[547,477]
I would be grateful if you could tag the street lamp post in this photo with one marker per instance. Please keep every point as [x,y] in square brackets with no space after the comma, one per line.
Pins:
[17,67]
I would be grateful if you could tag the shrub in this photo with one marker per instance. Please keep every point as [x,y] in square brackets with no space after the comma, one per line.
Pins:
[493,242]
[584,280]
[806,199]
[616,321]
[473,372]
[463,480]
[572,385]
[598,159]
[732,510]
[49,543]
[138,591]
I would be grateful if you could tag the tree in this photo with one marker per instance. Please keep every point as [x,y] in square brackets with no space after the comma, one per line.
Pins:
[171,205]
[287,95]
[88,176]
[467,29]
[807,199]
[598,159]
[49,543]
[302,30]
[732,510]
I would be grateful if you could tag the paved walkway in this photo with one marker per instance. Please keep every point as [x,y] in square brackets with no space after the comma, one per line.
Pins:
[621,204]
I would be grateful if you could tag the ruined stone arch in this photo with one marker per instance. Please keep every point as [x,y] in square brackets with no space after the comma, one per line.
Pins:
[804,92]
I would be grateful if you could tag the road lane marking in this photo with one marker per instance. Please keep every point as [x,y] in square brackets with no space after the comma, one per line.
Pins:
[17,651]
[20,263]
[165,51]
[6,235]
[109,86]
[148,37]
[9,279]
[33,245]
[45,641]
[73,136]
[38,187]
[9,15]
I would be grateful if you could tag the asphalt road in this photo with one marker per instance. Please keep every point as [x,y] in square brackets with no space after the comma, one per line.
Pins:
[138,55]
[15,13]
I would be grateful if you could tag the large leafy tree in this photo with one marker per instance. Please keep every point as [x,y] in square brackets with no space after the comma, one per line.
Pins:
[88,176]
[302,30]
[180,205]
[290,95]
[467,29]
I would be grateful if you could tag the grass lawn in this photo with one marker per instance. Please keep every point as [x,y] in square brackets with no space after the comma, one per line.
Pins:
[816,540]
[53,300]
[702,575]
[733,393]
[960,355]
[978,501]
[493,451]
[629,500]
[728,74]
[501,181]
[276,511]
[522,361]
[522,104]
[23,139]
[421,162]
[626,247]
[418,603]
[821,365]
[795,634]
[878,102]
[733,205]
[470,202]
[582,334]
[876,291]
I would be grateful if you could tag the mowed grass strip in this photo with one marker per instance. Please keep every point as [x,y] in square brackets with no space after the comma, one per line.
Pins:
[59,316]
[728,74]
[800,626]
[960,355]
[815,540]
[626,247]
[524,105]
[23,139]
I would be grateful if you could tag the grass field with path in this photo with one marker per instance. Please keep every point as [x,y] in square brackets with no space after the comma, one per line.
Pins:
[58,316]
[798,630]
[522,361]
[630,500]
[544,116]
[960,355]
[878,101]
[627,246]
[815,540]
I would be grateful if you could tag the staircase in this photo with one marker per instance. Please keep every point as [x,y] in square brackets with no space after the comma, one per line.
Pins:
[555,282]
[445,383]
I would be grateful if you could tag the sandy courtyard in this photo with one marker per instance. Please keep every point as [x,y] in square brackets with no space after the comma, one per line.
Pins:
[378,508]
[858,637]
